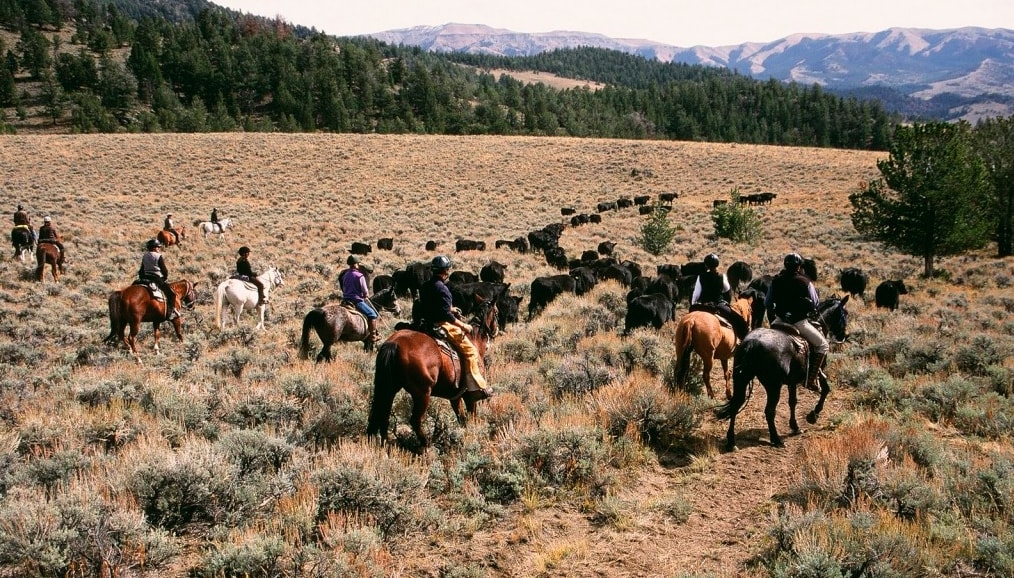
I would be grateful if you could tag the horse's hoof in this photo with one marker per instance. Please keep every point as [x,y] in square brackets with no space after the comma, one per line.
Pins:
[730,447]
[811,418]
[778,443]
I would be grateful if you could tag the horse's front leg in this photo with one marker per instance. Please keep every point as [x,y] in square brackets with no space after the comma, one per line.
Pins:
[178,328]
[456,406]
[793,399]
[825,389]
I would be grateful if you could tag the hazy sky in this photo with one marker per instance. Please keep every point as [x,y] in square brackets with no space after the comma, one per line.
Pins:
[678,22]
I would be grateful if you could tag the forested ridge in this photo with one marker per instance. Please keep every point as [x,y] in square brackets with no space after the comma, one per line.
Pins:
[191,66]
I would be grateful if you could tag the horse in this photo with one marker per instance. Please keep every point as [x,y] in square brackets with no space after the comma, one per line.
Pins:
[702,332]
[168,239]
[23,242]
[243,294]
[774,357]
[134,305]
[209,228]
[335,322]
[414,361]
[48,254]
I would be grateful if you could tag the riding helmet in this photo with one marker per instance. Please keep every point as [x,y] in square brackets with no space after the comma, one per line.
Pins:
[352,260]
[20,208]
[153,244]
[792,261]
[440,263]
[244,250]
[711,261]
[47,219]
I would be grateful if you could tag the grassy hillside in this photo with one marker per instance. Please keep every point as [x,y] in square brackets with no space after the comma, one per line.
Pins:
[227,454]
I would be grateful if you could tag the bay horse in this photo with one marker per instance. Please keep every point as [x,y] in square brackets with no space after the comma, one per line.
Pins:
[703,333]
[242,294]
[134,304]
[208,228]
[48,254]
[335,322]
[414,361]
[23,242]
[774,357]
[168,239]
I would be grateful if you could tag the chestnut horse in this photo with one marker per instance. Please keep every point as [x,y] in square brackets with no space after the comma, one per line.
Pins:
[413,360]
[167,239]
[701,332]
[134,305]
[774,358]
[48,254]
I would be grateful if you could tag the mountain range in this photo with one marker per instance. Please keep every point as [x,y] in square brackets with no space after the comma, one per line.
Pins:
[963,73]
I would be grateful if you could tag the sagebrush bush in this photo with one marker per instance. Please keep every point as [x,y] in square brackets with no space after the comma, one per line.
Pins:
[657,233]
[654,416]
[247,555]
[736,221]
[564,458]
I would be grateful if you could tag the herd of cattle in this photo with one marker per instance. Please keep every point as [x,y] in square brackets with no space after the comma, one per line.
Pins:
[652,300]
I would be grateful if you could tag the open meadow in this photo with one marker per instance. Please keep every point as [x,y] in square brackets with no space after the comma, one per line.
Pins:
[228,455]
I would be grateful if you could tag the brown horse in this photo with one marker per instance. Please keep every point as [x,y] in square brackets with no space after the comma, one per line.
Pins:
[167,239]
[48,254]
[702,332]
[134,305]
[414,361]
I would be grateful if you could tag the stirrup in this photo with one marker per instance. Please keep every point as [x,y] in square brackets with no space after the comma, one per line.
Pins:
[374,336]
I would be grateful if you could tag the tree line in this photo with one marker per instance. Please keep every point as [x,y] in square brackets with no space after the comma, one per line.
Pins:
[211,69]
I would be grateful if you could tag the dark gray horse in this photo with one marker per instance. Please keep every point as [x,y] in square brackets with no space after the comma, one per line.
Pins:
[336,323]
[774,358]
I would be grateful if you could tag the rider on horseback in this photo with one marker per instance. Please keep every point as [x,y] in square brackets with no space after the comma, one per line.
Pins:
[792,299]
[435,307]
[153,269]
[244,269]
[214,219]
[21,219]
[712,291]
[170,226]
[355,291]
[48,234]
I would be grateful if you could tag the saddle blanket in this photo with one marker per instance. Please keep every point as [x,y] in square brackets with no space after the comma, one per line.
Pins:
[156,292]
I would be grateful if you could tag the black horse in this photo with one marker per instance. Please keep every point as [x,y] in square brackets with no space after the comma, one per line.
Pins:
[23,242]
[774,358]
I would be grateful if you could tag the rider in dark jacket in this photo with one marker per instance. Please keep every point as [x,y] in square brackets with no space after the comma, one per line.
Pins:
[792,299]
[153,269]
[48,234]
[244,269]
[713,289]
[22,219]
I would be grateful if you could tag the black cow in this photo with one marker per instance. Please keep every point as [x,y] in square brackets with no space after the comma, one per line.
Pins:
[887,293]
[460,276]
[606,206]
[588,256]
[853,281]
[654,309]
[501,243]
[381,282]
[387,243]
[664,285]
[739,273]
[641,200]
[520,245]
[493,272]
[541,240]
[686,284]
[408,281]
[668,198]
[674,271]
[693,268]
[544,289]
[719,202]
[584,279]
[567,211]
[645,210]
[467,295]
[617,273]
[634,268]
[431,245]
[556,257]
[594,218]
[360,248]
[606,247]
[624,202]
[810,269]
[759,288]
[469,245]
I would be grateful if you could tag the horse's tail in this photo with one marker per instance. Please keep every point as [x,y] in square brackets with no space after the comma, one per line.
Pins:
[684,347]
[742,376]
[384,389]
[114,318]
[312,320]
[219,303]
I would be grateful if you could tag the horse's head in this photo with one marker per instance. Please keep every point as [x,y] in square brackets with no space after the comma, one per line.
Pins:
[834,317]
[189,295]
[387,300]
[484,318]
[744,306]
[276,277]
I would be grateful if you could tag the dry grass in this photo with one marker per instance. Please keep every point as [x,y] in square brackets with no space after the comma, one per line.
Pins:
[74,414]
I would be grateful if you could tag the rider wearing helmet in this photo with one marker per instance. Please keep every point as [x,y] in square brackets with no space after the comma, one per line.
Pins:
[356,291]
[245,271]
[153,270]
[48,234]
[713,290]
[792,299]
[170,226]
[435,307]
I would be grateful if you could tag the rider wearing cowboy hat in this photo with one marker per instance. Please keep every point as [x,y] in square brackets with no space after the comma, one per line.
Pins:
[356,291]
[244,269]
[153,269]
[435,307]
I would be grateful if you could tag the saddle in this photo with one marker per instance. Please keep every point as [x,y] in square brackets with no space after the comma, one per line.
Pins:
[246,280]
[443,341]
[800,343]
[152,287]
[709,308]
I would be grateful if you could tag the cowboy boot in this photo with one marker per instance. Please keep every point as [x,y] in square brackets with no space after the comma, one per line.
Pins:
[814,370]
[374,335]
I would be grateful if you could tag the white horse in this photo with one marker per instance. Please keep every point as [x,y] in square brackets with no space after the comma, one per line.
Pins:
[243,294]
[209,228]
